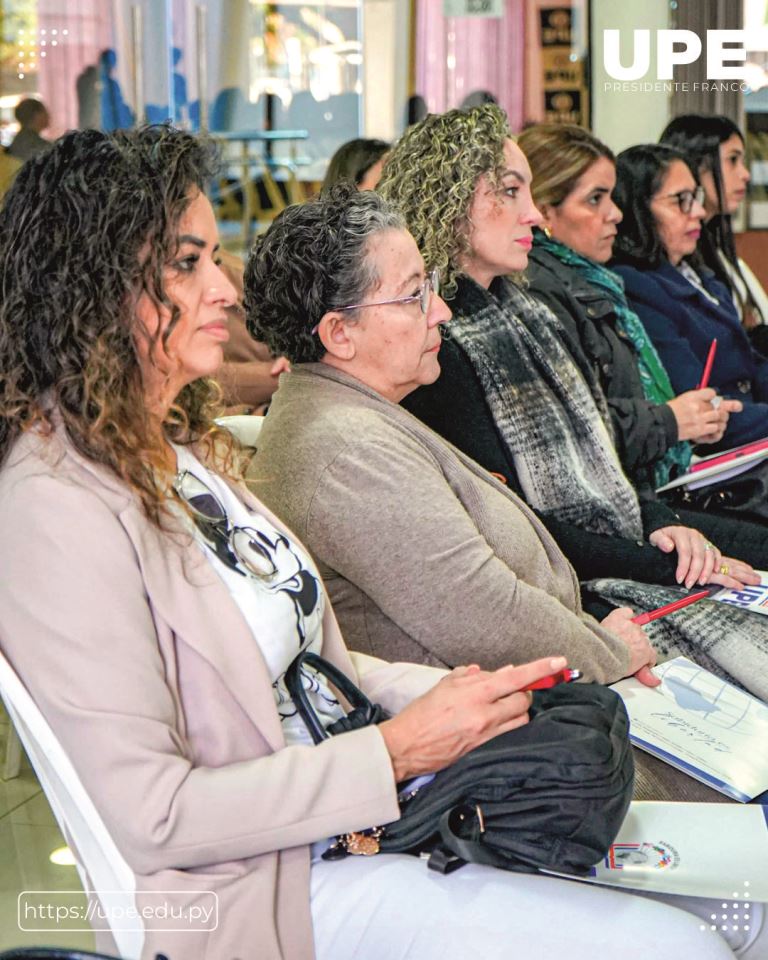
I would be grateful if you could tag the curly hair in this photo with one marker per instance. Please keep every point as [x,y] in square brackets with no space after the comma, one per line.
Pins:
[431,174]
[86,228]
[640,171]
[575,149]
[312,259]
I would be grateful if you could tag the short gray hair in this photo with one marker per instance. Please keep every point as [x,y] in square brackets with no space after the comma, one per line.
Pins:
[312,259]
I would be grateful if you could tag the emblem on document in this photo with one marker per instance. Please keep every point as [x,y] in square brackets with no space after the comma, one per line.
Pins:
[658,855]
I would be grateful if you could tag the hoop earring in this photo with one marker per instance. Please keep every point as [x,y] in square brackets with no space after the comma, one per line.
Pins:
[547,231]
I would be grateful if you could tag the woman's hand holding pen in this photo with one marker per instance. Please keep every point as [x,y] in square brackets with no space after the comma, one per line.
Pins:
[698,418]
[463,710]
[699,561]
[641,653]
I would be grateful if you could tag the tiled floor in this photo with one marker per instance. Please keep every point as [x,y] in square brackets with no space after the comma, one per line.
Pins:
[28,835]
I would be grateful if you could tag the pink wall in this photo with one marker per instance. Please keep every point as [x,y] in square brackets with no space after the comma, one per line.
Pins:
[89,30]
[457,55]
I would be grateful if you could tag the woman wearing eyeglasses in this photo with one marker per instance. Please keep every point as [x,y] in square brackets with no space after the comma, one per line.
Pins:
[151,605]
[653,428]
[425,555]
[715,145]
[682,305]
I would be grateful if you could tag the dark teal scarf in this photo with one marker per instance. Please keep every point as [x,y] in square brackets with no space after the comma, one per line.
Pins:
[656,385]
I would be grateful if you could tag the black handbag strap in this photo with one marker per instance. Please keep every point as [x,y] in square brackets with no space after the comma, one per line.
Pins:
[362,714]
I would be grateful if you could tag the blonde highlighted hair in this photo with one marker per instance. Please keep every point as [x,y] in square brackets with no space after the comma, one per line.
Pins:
[559,154]
[431,175]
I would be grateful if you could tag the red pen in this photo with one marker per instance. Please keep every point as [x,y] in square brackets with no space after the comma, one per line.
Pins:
[708,365]
[642,618]
[562,676]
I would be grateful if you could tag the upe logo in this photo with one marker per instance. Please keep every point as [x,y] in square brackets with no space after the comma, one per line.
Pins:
[649,856]
[675,47]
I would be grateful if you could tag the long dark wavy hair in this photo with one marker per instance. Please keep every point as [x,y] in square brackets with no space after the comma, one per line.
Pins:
[699,137]
[85,230]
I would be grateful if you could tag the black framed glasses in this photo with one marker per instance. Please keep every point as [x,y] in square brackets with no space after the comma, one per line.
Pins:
[239,548]
[686,198]
[424,297]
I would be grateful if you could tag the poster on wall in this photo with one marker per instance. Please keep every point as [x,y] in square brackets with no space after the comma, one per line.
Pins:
[557,64]
[564,81]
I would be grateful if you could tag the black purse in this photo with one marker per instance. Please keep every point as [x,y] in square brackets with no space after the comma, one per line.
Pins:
[550,795]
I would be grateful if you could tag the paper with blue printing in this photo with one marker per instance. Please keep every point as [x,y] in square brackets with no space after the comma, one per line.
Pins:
[692,849]
[702,725]
[750,598]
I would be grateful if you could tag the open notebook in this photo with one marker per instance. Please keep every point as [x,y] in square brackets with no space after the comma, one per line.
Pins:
[702,725]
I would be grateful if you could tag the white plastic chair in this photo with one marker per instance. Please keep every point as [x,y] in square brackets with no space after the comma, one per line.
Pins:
[246,429]
[12,761]
[102,869]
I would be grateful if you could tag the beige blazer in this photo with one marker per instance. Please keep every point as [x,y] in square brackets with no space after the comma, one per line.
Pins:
[143,665]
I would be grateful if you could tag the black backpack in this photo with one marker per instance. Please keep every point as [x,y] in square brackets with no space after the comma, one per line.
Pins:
[550,795]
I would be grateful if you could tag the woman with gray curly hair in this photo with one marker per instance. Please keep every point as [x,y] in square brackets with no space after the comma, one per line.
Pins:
[339,287]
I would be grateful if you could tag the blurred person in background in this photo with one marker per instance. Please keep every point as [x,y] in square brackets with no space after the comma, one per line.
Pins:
[360,161]
[33,118]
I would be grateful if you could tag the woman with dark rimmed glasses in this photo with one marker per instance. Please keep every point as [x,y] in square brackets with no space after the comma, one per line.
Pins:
[716,148]
[681,303]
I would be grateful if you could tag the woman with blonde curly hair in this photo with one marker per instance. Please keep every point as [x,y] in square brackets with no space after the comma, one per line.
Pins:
[512,397]
[151,605]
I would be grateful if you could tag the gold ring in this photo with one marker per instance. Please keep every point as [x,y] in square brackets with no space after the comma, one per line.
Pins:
[724,568]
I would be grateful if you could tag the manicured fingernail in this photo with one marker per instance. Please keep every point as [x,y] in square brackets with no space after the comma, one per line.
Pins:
[557,663]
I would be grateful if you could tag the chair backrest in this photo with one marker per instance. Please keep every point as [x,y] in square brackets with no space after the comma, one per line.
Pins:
[246,429]
[103,871]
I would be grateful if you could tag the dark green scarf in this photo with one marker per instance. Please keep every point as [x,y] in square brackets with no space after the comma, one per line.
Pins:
[656,385]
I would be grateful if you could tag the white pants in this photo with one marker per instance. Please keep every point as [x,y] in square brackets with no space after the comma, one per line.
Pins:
[391,907]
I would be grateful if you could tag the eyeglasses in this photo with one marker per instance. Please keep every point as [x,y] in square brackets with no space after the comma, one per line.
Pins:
[237,547]
[424,296]
[685,198]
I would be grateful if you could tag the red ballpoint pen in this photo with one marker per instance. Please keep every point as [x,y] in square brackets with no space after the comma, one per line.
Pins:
[562,676]
[642,618]
[708,365]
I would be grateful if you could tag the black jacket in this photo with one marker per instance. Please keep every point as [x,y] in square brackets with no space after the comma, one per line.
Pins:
[644,430]
[455,407]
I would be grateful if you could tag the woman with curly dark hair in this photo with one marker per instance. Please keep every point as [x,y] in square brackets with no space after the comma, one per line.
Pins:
[151,605]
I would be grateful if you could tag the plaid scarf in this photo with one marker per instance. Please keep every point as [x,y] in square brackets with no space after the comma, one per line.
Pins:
[554,423]
[654,378]
[729,642]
